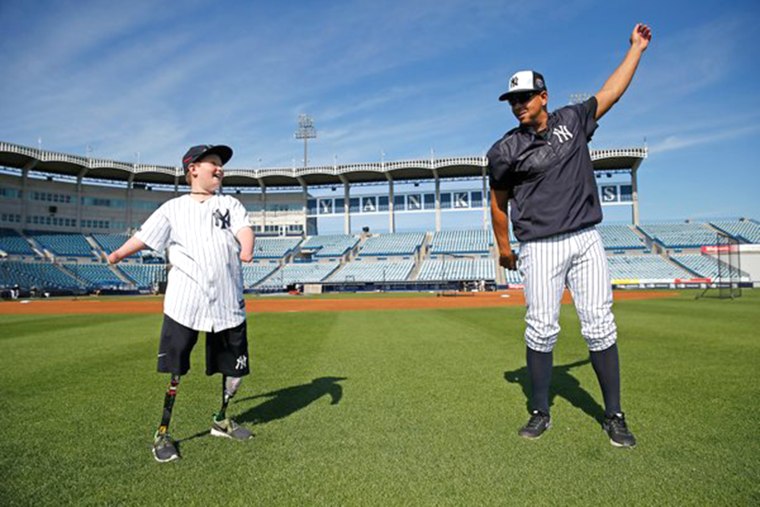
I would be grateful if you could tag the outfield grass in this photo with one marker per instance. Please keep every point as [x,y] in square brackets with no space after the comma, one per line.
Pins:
[359,295]
[413,408]
[277,296]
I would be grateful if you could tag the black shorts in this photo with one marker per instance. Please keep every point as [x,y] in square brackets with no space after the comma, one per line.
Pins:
[226,351]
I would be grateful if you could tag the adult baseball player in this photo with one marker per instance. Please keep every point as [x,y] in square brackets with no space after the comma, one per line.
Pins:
[208,235]
[543,170]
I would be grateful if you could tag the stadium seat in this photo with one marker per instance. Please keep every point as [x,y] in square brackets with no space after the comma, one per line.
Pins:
[476,241]
[42,275]
[274,248]
[335,245]
[620,237]
[255,273]
[680,235]
[393,244]
[649,267]
[745,230]
[11,242]
[373,272]
[706,266]
[59,243]
[95,276]
[290,274]
[145,276]
[457,270]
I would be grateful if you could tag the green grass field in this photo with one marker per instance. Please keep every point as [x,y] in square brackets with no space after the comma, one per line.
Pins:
[386,408]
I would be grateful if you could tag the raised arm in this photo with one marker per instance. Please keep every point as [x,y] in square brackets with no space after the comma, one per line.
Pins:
[500,222]
[618,82]
[131,246]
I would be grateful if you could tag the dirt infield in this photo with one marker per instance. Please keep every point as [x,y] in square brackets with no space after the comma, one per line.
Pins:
[102,305]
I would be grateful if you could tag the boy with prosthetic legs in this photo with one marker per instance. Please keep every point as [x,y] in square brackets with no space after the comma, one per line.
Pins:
[207,235]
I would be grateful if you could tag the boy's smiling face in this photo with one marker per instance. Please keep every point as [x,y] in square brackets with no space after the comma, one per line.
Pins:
[207,174]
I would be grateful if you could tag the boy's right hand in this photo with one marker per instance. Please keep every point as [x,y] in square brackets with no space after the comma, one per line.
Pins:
[113,258]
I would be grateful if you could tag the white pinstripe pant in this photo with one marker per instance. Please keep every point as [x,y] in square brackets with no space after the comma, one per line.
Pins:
[576,260]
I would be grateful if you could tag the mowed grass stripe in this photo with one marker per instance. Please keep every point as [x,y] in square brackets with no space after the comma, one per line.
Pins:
[386,408]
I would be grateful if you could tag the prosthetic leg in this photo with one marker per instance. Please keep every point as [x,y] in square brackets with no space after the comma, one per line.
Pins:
[222,425]
[164,448]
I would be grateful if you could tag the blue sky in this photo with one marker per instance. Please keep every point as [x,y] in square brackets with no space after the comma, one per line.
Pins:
[400,78]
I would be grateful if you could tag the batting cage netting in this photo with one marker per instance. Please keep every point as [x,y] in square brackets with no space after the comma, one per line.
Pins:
[726,282]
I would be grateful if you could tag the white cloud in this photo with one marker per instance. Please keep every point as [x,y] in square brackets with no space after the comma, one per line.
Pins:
[686,140]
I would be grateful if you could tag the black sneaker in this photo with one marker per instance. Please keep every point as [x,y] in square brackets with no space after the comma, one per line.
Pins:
[230,429]
[617,429]
[164,449]
[537,424]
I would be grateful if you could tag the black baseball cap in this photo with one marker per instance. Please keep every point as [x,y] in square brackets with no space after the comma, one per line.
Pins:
[524,81]
[198,152]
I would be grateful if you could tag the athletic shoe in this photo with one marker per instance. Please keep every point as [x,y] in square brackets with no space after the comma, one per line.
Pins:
[230,429]
[164,449]
[617,429]
[537,424]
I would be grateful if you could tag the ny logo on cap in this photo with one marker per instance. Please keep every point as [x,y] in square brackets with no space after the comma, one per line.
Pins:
[513,82]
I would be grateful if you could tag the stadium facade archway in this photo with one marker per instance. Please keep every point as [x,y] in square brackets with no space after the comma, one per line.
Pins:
[267,182]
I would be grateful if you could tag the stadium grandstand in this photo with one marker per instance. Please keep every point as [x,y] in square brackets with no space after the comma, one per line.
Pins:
[274,248]
[295,274]
[374,272]
[705,266]
[144,276]
[745,230]
[61,214]
[680,234]
[399,244]
[328,246]
[462,242]
[620,237]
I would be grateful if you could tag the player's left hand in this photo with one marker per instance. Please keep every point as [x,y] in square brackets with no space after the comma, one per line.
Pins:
[246,258]
[641,36]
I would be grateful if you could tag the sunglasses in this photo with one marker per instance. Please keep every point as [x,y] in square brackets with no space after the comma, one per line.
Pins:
[520,98]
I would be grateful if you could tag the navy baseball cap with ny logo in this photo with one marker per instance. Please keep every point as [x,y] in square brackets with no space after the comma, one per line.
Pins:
[524,81]
[198,152]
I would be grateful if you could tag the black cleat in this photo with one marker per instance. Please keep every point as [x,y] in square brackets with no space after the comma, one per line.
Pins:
[536,425]
[617,430]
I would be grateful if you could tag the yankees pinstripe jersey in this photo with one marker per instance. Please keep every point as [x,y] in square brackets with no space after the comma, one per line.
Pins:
[550,174]
[205,284]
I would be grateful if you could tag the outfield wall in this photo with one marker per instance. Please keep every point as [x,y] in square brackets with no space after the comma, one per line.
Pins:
[750,261]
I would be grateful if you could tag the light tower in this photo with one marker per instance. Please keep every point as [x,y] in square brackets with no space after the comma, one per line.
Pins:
[305,131]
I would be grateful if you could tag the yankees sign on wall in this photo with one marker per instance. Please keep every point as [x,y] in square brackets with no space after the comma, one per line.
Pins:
[615,194]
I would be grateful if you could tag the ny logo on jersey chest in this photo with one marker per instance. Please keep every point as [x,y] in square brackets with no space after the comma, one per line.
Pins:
[562,133]
[222,220]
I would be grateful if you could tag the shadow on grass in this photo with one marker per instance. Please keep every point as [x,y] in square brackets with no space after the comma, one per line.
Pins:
[564,385]
[286,401]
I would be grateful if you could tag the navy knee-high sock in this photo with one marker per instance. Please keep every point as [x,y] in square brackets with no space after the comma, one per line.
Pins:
[540,373]
[606,364]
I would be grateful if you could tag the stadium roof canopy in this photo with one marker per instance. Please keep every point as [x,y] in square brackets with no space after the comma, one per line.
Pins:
[23,157]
